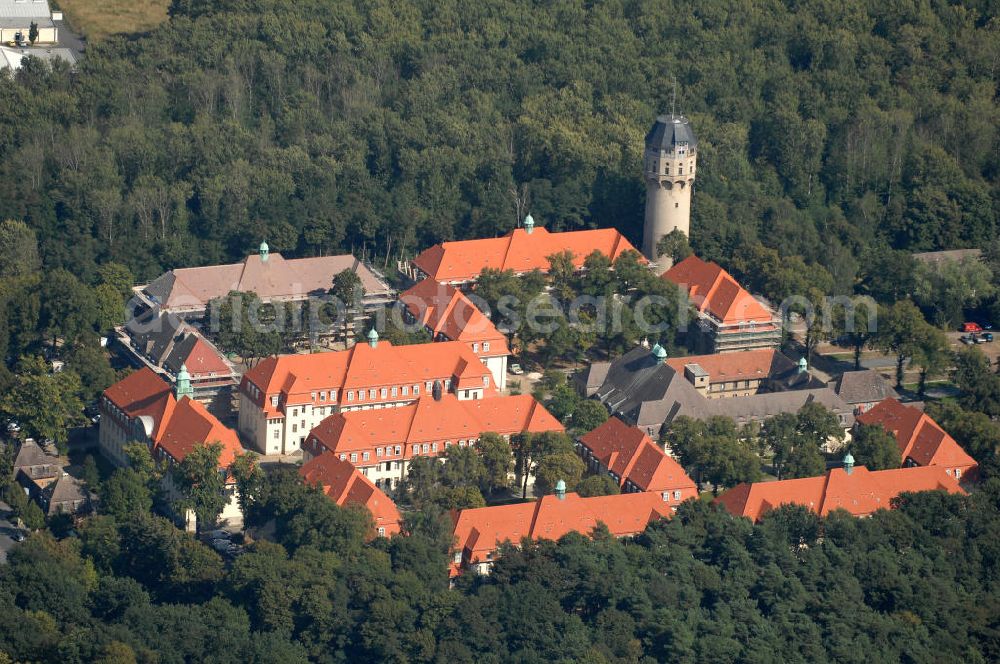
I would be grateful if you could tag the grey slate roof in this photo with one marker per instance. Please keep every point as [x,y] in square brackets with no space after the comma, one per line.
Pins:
[648,393]
[67,494]
[868,386]
[31,454]
[668,131]
[154,334]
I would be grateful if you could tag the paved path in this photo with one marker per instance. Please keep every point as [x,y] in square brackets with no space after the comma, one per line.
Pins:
[70,39]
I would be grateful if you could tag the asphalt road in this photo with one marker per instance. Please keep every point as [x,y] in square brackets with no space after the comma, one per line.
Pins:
[6,530]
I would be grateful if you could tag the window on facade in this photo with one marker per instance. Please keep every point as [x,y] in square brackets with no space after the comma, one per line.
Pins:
[295,428]
[365,456]
[393,392]
[434,446]
[406,390]
[371,394]
[354,457]
[486,346]
[378,451]
[350,395]
[486,381]
[416,390]
[416,449]
[466,393]
[381,532]
[447,383]
[322,396]
[274,401]
[343,457]
[958,473]
[427,448]
[312,396]
[475,347]
[399,450]
[277,433]
[333,395]
[677,494]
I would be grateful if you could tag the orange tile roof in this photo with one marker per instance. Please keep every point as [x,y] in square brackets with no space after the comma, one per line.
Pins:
[297,377]
[520,251]
[920,438]
[478,532]
[204,360]
[744,365]
[178,426]
[140,393]
[633,456]
[712,290]
[445,310]
[189,425]
[428,420]
[345,484]
[860,492]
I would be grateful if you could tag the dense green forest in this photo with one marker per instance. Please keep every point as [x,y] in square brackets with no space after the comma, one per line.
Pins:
[382,127]
[916,584]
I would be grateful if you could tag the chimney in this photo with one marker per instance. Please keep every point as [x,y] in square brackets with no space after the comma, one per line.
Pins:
[437,390]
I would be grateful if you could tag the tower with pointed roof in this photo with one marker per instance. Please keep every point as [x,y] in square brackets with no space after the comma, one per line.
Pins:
[183,388]
[669,164]
[264,251]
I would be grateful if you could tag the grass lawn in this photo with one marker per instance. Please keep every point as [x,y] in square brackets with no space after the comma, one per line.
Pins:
[96,19]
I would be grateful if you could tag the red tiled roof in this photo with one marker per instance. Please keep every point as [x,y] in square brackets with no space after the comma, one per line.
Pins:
[860,492]
[445,310]
[140,393]
[919,437]
[345,484]
[713,290]
[480,531]
[190,425]
[429,420]
[633,456]
[745,365]
[520,251]
[178,426]
[296,377]
[204,360]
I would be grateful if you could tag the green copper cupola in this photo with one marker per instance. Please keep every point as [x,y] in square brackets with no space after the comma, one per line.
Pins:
[264,251]
[372,338]
[182,387]
[848,463]
[529,224]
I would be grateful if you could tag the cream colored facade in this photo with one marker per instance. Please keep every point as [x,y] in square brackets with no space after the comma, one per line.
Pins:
[284,432]
[669,173]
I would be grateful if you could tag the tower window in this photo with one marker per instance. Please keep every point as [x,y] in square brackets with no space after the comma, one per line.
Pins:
[680,170]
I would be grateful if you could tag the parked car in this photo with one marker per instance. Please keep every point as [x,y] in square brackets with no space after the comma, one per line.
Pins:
[18,536]
[971,327]
[985,338]
[516,369]
[967,339]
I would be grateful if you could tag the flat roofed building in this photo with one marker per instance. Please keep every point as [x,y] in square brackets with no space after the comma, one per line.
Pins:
[449,315]
[16,16]
[346,485]
[858,490]
[284,397]
[634,461]
[381,443]
[479,532]
[521,250]
[729,318]
[921,440]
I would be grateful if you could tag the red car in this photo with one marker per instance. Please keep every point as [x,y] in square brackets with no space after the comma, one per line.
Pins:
[971,327]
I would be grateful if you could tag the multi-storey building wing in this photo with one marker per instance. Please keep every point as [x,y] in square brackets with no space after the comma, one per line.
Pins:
[142,408]
[284,397]
[449,315]
[381,443]
[346,485]
[521,250]
[729,318]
